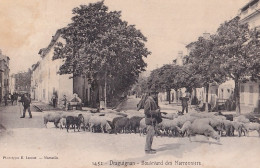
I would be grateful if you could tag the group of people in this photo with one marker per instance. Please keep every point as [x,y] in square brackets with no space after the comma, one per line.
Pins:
[21,100]
[13,97]
[153,116]
[25,101]
[65,101]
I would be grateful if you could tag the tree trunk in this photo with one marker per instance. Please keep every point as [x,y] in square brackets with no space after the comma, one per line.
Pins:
[94,95]
[207,98]
[105,90]
[237,96]
[169,96]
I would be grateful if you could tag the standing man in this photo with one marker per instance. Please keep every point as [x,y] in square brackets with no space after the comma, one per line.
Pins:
[65,102]
[53,100]
[12,99]
[26,100]
[6,99]
[152,118]
[184,103]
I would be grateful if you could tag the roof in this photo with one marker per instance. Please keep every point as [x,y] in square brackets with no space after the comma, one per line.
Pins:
[250,3]
[34,66]
[44,51]
[190,45]
[3,57]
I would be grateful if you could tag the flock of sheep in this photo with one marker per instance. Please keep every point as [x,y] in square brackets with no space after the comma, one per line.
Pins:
[212,125]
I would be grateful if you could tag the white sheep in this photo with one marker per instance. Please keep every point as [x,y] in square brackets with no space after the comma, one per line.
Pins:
[202,115]
[142,127]
[168,126]
[62,122]
[99,121]
[186,126]
[252,127]
[170,116]
[53,117]
[182,119]
[239,127]
[87,117]
[242,119]
[201,127]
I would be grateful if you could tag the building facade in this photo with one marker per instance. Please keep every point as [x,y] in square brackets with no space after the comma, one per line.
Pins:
[12,84]
[4,75]
[250,91]
[45,80]
[82,88]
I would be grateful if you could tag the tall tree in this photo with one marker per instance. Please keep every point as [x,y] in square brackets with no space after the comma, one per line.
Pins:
[204,64]
[103,47]
[238,50]
[169,77]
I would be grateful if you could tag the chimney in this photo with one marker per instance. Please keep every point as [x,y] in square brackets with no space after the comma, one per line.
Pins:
[180,54]
[206,36]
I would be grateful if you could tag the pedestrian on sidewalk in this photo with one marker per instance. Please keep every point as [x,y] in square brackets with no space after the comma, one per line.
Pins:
[12,99]
[184,102]
[152,118]
[6,99]
[53,99]
[65,102]
[26,101]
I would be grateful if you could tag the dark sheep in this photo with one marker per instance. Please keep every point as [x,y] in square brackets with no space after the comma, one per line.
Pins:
[229,128]
[113,123]
[120,125]
[74,121]
[134,123]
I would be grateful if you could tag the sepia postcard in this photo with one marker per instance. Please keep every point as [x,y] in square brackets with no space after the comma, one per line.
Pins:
[129,83]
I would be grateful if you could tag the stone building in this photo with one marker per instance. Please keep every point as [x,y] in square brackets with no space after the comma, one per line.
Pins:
[45,80]
[250,91]
[4,75]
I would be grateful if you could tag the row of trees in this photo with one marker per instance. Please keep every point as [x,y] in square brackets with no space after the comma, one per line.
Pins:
[23,81]
[102,47]
[232,53]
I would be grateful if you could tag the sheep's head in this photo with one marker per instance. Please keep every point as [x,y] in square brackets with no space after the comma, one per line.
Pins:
[220,127]
[216,136]
[81,118]
[108,127]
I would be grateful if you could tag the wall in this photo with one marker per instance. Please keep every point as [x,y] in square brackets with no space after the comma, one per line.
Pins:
[46,80]
[249,96]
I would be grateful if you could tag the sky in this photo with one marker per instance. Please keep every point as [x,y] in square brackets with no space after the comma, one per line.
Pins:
[169,25]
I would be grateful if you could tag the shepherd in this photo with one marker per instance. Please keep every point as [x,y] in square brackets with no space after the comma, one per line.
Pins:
[26,100]
[152,118]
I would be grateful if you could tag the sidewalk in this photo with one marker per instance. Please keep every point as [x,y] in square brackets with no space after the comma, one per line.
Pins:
[175,107]
[44,106]
[47,107]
